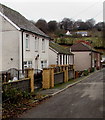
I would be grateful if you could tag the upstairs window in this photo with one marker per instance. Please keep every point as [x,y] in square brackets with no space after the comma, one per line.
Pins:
[43,45]
[36,44]
[27,42]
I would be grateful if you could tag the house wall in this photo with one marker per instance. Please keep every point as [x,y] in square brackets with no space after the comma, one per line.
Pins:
[97,60]
[82,60]
[31,54]
[10,46]
[0,43]
[52,57]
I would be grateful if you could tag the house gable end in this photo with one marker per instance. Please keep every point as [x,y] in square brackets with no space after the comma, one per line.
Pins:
[6,18]
[53,50]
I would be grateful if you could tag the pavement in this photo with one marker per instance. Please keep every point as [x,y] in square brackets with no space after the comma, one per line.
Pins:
[83,100]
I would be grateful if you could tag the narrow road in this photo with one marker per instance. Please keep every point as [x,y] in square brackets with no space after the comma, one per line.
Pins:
[84,100]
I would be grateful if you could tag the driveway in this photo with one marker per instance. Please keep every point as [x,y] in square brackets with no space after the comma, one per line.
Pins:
[84,100]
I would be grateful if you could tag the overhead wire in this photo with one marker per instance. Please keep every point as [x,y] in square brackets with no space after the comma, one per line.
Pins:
[85,10]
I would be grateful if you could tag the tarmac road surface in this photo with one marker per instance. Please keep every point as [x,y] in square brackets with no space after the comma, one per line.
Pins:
[84,100]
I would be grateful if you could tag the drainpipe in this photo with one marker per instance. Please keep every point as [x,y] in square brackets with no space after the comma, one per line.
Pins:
[22,54]
[91,58]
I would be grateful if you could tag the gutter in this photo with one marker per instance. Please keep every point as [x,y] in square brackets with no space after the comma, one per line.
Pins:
[45,36]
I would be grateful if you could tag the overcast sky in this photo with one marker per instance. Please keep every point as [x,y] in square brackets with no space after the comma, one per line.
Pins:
[58,9]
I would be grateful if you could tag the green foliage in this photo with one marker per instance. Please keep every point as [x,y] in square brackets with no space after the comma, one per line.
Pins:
[14,95]
[92,69]
[96,41]
[86,72]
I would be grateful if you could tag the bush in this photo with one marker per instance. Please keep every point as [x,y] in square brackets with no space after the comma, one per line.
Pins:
[92,69]
[14,95]
[86,72]
[11,94]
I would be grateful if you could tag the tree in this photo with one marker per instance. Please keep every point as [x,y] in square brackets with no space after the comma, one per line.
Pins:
[67,23]
[42,25]
[80,25]
[99,26]
[90,23]
[52,26]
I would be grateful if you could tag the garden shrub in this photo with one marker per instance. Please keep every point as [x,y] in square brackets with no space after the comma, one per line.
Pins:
[14,95]
[92,69]
[86,72]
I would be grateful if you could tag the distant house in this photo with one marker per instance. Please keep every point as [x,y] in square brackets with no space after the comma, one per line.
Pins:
[85,57]
[58,55]
[82,33]
[68,33]
[23,45]
[103,61]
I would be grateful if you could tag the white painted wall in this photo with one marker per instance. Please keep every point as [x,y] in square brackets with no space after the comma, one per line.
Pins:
[0,43]
[10,46]
[30,55]
[52,57]
[82,60]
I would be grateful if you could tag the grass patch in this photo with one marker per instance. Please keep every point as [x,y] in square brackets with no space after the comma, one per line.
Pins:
[71,81]
[96,41]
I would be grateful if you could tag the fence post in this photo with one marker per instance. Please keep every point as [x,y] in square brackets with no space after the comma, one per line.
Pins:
[67,71]
[46,78]
[64,73]
[52,77]
[31,76]
[74,71]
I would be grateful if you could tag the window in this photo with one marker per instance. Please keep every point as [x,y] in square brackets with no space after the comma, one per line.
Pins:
[36,44]
[44,64]
[27,42]
[27,64]
[43,45]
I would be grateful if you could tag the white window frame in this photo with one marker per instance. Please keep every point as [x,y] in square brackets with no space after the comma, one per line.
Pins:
[27,64]
[44,64]
[27,42]
[36,44]
[43,45]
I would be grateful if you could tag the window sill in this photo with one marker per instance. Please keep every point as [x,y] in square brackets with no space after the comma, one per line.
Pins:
[43,51]
[36,50]
[27,50]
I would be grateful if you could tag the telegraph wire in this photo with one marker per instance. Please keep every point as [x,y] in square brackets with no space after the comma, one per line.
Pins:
[83,11]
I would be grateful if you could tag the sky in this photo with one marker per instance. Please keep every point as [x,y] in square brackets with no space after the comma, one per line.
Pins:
[58,9]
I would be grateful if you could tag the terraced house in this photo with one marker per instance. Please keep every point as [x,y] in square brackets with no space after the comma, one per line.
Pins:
[58,55]
[22,44]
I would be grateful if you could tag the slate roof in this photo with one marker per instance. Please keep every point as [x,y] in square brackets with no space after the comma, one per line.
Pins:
[20,20]
[59,48]
[82,47]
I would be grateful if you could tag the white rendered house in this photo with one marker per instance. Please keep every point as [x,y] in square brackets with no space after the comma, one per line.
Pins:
[58,55]
[22,44]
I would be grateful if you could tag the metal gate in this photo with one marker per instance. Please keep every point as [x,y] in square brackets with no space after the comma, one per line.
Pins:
[38,78]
